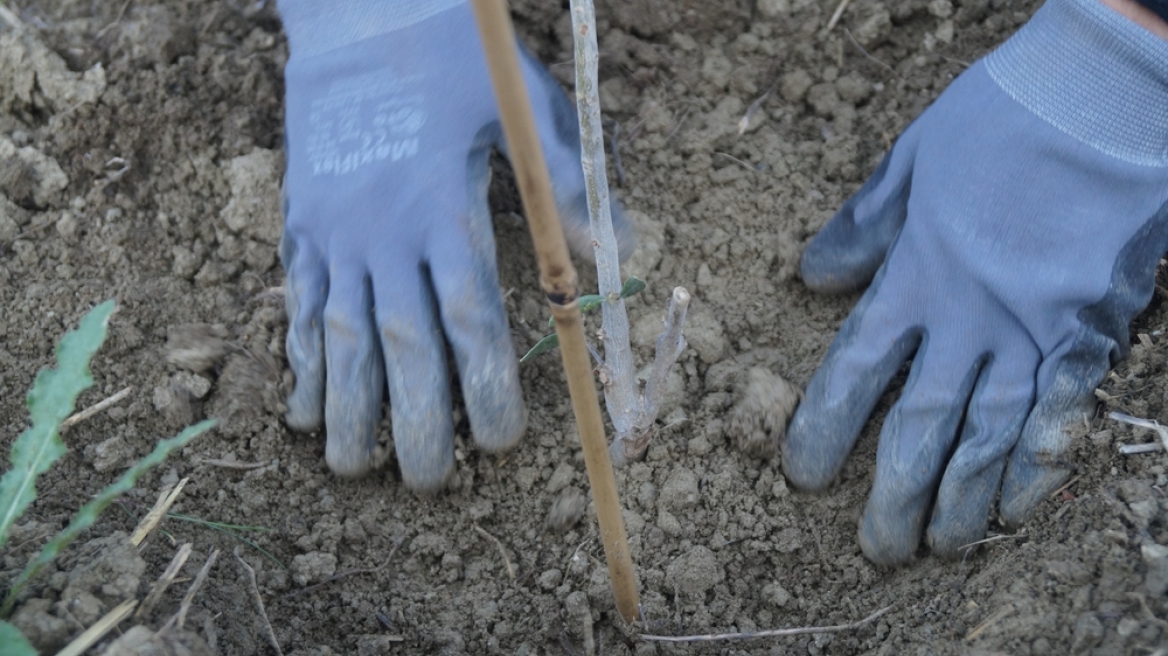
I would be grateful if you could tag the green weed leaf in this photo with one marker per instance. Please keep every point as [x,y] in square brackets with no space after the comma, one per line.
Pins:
[542,346]
[12,643]
[50,402]
[89,512]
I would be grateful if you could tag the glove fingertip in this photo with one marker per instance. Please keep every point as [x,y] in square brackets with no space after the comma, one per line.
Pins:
[810,462]
[1025,487]
[884,545]
[837,261]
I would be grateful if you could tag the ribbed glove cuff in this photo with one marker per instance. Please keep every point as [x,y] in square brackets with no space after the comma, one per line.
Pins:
[1094,75]
[314,27]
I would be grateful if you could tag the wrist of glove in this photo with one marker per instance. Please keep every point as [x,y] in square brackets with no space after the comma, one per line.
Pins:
[1010,236]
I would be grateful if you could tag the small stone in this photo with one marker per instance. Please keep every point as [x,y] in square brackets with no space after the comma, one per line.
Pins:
[775,594]
[567,509]
[774,8]
[561,478]
[794,85]
[680,490]
[1087,633]
[766,404]
[695,571]
[668,523]
[194,384]
[109,454]
[550,579]
[1156,558]
[705,334]
[313,567]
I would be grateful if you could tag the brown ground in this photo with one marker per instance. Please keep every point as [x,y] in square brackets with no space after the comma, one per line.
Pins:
[188,95]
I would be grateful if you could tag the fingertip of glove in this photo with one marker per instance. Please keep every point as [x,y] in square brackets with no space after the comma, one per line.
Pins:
[802,474]
[505,430]
[1025,487]
[352,460]
[303,416]
[884,544]
[806,464]
[828,268]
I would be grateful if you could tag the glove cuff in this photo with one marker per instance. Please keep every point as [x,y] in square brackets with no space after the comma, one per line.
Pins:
[1092,74]
[314,27]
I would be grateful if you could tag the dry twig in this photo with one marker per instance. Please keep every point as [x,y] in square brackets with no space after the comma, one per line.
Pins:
[839,12]
[865,52]
[1142,423]
[98,631]
[160,586]
[498,546]
[259,602]
[988,622]
[744,122]
[153,518]
[180,617]
[770,633]
[104,404]
[231,464]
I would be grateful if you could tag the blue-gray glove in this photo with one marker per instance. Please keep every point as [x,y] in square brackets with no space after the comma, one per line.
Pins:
[388,245]
[1013,233]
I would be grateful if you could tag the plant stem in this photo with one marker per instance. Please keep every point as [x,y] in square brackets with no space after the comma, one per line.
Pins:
[621,395]
[558,278]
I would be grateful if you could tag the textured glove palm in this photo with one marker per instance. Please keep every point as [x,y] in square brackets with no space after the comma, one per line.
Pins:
[1013,233]
[388,242]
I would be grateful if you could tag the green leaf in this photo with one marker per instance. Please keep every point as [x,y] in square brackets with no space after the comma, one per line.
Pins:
[542,346]
[632,287]
[13,642]
[89,512]
[50,402]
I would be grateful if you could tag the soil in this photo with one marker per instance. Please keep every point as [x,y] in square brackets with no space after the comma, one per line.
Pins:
[140,157]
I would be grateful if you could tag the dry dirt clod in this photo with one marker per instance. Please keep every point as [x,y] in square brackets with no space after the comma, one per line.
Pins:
[566,511]
[766,404]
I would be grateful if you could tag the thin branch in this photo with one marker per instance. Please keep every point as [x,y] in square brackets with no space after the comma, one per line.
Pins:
[865,52]
[770,633]
[180,618]
[1142,423]
[160,586]
[231,464]
[621,394]
[839,12]
[81,416]
[259,602]
[498,546]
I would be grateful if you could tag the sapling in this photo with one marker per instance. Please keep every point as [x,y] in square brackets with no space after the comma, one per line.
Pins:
[633,410]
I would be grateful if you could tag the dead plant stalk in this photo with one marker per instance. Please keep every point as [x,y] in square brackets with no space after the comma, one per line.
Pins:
[558,279]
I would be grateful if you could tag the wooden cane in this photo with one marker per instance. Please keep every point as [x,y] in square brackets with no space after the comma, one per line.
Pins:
[558,279]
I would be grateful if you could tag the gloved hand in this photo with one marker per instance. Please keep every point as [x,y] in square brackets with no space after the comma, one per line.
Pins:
[388,244]
[1013,233]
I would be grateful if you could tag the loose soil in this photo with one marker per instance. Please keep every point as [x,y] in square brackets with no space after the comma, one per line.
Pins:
[140,157]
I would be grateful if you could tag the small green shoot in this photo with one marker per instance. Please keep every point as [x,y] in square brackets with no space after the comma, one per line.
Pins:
[50,402]
[234,530]
[588,302]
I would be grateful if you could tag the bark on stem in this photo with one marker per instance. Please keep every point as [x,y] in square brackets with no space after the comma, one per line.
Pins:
[558,278]
[621,395]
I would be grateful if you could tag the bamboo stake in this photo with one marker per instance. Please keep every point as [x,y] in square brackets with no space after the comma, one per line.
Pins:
[558,279]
